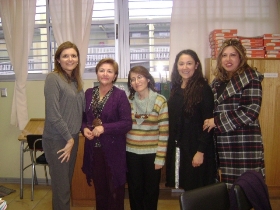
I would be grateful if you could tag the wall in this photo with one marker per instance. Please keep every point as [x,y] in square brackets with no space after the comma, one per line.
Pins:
[9,145]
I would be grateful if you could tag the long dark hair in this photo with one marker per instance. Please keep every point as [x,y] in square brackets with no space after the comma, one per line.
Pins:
[76,74]
[143,71]
[193,90]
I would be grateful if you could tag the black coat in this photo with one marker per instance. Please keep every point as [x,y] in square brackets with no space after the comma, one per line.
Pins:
[191,137]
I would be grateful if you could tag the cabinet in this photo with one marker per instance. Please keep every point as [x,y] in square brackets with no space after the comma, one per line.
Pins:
[269,117]
[81,193]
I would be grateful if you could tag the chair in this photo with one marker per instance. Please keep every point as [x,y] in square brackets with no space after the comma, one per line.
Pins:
[249,191]
[210,197]
[35,145]
[242,201]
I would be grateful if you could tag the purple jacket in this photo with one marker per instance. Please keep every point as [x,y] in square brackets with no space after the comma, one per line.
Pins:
[255,189]
[116,120]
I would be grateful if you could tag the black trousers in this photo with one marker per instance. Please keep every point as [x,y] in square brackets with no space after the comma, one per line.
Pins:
[143,181]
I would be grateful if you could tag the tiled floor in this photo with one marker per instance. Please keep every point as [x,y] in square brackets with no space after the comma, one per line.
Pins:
[43,194]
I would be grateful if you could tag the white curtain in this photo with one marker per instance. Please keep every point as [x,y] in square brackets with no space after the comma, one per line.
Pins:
[193,20]
[18,18]
[71,21]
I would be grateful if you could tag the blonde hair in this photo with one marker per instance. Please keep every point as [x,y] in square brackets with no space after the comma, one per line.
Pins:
[220,72]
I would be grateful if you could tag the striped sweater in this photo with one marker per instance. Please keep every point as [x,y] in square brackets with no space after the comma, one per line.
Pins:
[152,134]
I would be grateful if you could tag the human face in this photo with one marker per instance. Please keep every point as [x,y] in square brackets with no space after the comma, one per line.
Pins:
[138,82]
[186,66]
[68,60]
[106,74]
[230,59]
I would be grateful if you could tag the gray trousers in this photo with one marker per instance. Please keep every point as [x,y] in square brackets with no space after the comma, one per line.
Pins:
[61,173]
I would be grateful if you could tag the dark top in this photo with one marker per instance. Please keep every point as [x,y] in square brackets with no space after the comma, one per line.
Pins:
[191,137]
[116,120]
[255,189]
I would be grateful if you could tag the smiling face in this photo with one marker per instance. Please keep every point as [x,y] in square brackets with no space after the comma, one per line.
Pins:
[138,82]
[68,60]
[186,66]
[230,59]
[106,74]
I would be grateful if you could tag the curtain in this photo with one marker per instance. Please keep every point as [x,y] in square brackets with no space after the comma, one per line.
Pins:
[193,20]
[71,21]
[18,19]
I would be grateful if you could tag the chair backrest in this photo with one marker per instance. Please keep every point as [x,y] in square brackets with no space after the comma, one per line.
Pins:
[31,138]
[210,197]
[242,201]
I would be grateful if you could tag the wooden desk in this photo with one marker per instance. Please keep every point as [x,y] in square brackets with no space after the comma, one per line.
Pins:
[81,193]
[34,126]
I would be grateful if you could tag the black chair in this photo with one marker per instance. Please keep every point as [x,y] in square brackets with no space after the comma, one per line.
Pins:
[35,145]
[210,197]
[242,201]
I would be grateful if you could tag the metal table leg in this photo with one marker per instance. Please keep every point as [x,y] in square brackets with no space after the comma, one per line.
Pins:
[21,169]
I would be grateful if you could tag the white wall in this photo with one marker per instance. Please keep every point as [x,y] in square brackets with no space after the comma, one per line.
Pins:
[9,144]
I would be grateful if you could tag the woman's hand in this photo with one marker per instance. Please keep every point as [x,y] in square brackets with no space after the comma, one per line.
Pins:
[157,167]
[66,151]
[98,130]
[197,159]
[88,134]
[209,124]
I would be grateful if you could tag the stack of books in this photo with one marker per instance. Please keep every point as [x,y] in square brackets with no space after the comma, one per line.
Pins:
[216,38]
[272,45]
[254,46]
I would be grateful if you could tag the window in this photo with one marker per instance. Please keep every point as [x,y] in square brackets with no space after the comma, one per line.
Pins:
[102,35]
[148,28]
[38,60]
[149,32]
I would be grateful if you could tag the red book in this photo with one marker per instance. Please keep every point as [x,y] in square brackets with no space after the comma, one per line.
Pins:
[271,36]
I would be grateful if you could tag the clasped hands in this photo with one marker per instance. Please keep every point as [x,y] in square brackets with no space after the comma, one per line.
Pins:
[96,132]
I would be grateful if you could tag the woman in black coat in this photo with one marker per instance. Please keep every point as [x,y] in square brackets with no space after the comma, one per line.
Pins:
[190,103]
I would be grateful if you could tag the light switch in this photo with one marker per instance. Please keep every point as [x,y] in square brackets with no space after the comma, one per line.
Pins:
[4,92]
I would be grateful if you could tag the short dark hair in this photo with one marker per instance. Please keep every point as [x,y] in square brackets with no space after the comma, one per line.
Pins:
[109,61]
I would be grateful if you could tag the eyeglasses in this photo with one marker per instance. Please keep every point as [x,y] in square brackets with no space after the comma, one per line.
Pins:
[143,116]
[139,77]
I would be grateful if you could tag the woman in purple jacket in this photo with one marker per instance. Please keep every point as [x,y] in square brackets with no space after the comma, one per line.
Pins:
[107,119]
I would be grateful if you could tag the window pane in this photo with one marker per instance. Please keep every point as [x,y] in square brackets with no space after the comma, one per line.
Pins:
[38,54]
[102,35]
[5,65]
[149,31]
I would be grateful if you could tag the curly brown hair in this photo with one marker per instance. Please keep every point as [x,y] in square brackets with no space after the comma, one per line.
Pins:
[220,73]
[143,71]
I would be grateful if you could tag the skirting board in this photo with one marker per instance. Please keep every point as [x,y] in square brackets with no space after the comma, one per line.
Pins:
[177,190]
[41,181]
